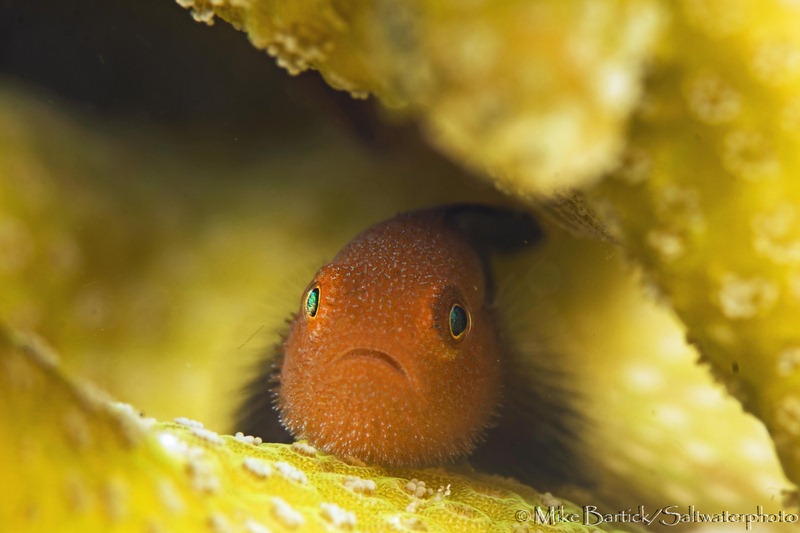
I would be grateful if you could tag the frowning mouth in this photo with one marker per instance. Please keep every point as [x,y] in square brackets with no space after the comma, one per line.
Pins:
[376,355]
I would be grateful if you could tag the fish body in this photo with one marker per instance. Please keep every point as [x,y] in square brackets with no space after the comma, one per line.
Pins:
[397,356]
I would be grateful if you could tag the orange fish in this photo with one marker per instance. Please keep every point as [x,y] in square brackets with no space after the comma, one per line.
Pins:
[397,357]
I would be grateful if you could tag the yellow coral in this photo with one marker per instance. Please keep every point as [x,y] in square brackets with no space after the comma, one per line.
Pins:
[535,94]
[660,432]
[74,460]
[708,198]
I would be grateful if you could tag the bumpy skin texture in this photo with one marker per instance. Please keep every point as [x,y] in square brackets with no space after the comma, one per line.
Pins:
[377,373]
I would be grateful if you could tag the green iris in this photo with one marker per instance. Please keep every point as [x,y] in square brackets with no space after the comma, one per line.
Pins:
[312,302]
[459,320]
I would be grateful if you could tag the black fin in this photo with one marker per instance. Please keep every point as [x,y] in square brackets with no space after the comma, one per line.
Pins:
[493,229]
[257,415]
[539,427]
[538,430]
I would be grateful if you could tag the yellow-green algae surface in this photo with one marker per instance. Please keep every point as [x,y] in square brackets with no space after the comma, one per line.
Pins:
[690,107]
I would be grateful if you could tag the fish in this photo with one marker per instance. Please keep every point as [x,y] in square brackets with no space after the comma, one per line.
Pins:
[399,357]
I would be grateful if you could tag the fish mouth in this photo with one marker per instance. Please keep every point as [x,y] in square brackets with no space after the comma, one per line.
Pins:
[375,355]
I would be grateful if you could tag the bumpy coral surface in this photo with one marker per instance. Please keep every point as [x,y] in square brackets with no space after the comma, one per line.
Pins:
[709,200]
[533,93]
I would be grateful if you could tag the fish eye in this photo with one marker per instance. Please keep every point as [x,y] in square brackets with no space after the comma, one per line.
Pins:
[312,302]
[459,321]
